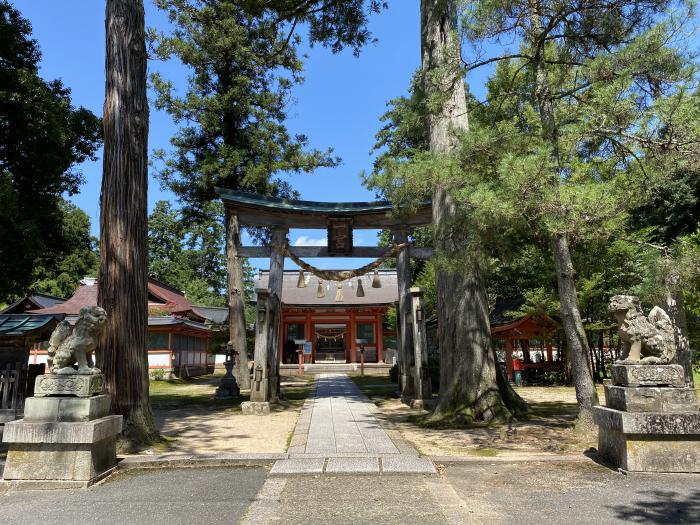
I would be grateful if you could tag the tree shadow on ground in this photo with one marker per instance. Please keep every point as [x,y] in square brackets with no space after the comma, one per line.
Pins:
[661,506]
[548,427]
[192,420]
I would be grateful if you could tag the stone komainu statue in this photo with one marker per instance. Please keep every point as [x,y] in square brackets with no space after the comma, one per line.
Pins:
[69,346]
[645,339]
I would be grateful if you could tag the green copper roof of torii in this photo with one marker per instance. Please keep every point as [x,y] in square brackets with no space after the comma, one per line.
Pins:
[308,206]
[252,206]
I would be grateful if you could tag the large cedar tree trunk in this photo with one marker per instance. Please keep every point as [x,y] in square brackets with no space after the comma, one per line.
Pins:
[469,377]
[123,274]
[577,345]
[236,299]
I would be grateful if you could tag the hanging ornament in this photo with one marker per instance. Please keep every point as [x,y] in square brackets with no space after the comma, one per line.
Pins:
[376,281]
[339,294]
[320,291]
[301,282]
[360,289]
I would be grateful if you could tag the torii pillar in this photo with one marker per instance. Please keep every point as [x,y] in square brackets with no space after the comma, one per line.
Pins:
[422,391]
[265,385]
[403,315]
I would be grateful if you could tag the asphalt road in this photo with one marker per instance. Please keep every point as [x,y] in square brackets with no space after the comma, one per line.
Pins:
[572,493]
[149,497]
[483,492]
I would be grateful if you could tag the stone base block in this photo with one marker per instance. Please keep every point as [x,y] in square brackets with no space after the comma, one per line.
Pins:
[649,442]
[227,389]
[255,408]
[678,423]
[62,432]
[648,375]
[62,451]
[651,398]
[69,409]
[60,461]
[69,385]
[418,404]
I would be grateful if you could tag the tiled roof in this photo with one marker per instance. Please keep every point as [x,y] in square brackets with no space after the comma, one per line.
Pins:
[171,320]
[33,301]
[293,296]
[169,295]
[213,314]
[26,325]
[85,295]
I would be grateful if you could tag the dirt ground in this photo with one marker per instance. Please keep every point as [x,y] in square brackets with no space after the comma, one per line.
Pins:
[547,430]
[192,422]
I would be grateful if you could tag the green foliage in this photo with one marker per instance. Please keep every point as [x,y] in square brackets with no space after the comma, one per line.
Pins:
[157,375]
[60,273]
[42,138]
[232,115]
[189,255]
[625,103]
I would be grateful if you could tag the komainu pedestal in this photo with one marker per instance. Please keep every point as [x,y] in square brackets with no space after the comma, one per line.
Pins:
[62,440]
[67,437]
[651,422]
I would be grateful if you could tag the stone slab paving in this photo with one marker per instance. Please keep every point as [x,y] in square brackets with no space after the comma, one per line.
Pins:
[339,430]
[352,465]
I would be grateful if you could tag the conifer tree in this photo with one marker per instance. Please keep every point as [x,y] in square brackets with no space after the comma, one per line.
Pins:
[243,58]
[123,277]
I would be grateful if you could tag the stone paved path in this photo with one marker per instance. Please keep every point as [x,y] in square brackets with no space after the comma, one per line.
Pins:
[338,432]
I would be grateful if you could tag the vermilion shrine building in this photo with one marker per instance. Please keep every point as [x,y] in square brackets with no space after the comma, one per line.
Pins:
[331,323]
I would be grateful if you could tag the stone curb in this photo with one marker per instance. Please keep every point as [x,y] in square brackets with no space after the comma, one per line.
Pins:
[52,484]
[510,459]
[198,460]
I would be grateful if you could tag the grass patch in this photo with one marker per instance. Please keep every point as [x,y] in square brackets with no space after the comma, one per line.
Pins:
[194,391]
[291,398]
[547,409]
[376,386]
[367,380]
[482,452]
[199,392]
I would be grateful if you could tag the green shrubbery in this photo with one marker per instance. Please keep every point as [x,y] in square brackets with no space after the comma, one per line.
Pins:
[158,374]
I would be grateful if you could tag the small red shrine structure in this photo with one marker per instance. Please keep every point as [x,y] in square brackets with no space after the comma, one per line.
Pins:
[518,336]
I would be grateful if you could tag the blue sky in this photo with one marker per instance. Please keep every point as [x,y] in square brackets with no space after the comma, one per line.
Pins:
[337,106]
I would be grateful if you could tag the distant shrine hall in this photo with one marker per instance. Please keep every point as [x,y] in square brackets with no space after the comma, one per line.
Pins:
[333,319]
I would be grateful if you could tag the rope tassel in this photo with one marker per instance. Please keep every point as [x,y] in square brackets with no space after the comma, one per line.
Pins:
[301,282]
[376,281]
[360,290]
[339,294]
[321,290]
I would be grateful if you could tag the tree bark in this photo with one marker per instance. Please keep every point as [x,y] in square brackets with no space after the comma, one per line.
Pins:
[469,386]
[123,278]
[586,394]
[236,300]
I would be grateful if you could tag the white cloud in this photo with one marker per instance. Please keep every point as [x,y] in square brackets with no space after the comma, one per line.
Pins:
[310,241]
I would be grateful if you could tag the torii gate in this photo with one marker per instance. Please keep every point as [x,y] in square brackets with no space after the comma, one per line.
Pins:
[339,219]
